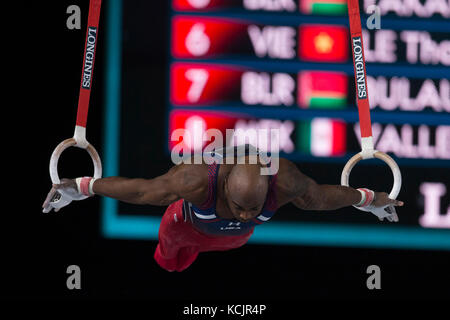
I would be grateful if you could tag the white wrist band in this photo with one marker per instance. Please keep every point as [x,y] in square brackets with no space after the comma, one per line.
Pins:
[367,196]
[85,186]
[363,198]
[91,186]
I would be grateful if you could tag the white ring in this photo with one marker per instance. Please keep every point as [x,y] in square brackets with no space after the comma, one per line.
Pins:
[70,143]
[382,156]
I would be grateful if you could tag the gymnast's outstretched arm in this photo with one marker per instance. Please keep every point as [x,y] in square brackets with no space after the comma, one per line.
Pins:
[306,194]
[182,181]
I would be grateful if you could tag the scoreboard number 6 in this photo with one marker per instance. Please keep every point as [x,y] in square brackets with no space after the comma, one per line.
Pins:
[199,78]
[197,41]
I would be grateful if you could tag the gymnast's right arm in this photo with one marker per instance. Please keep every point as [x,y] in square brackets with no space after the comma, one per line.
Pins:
[182,181]
[179,182]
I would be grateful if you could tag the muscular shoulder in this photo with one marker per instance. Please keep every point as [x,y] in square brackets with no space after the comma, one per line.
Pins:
[290,181]
[190,180]
[287,175]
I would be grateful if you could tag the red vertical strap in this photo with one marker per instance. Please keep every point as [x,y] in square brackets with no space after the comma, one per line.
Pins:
[88,61]
[359,65]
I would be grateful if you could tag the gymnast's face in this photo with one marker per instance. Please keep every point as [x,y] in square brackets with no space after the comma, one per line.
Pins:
[244,200]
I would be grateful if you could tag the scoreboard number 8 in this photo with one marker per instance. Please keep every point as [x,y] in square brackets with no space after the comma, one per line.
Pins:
[199,78]
[199,4]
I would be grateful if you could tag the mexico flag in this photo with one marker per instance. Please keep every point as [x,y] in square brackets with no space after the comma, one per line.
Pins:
[322,137]
[325,7]
[323,43]
[322,90]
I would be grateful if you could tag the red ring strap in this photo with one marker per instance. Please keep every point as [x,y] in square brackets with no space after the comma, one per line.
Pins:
[359,65]
[88,62]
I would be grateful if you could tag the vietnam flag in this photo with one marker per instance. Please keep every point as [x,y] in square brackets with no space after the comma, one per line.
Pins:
[325,7]
[322,90]
[323,43]
[322,137]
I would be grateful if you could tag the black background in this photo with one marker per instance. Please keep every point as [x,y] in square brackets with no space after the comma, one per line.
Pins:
[37,248]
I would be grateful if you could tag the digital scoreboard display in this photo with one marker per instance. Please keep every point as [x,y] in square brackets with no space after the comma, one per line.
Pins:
[287,65]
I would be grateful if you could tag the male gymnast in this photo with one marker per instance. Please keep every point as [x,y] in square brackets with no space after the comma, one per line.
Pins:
[215,207]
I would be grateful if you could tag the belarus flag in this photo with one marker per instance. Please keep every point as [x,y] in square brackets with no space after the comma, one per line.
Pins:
[322,137]
[323,43]
[322,90]
[326,7]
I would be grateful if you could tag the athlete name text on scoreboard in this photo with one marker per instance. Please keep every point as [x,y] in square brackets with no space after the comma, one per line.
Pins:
[208,84]
[401,8]
[318,137]
[200,37]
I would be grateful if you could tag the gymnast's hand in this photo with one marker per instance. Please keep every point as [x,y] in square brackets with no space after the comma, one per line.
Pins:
[384,207]
[62,195]
[382,199]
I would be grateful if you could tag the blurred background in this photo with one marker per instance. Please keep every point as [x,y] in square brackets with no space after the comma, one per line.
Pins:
[242,64]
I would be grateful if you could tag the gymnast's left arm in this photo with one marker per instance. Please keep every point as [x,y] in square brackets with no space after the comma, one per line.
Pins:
[306,194]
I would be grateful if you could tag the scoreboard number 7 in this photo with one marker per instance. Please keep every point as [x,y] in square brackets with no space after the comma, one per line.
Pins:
[199,78]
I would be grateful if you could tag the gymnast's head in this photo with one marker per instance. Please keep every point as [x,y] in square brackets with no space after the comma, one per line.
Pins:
[246,190]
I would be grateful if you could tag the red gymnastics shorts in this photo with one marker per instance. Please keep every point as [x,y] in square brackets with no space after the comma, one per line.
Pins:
[180,243]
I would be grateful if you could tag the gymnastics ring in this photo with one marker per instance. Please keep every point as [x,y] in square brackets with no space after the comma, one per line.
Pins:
[72,142]
[379,155]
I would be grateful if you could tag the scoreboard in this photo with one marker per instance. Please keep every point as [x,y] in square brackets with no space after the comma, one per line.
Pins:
[287,65]
[289,62]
